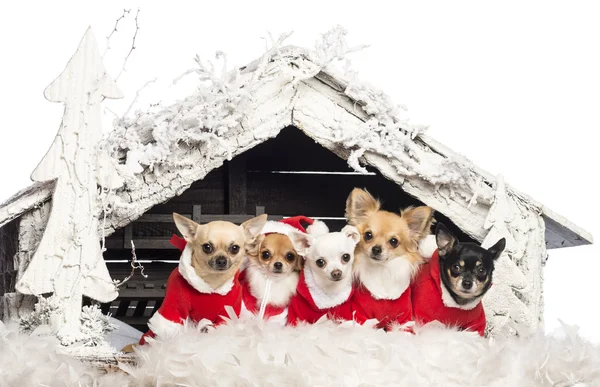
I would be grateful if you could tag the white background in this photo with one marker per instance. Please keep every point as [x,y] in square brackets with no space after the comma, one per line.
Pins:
[513,86]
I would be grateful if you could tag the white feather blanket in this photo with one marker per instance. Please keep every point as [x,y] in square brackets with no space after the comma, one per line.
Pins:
[248,353]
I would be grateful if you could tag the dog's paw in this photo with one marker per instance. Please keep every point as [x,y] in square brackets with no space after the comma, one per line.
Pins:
[129,348]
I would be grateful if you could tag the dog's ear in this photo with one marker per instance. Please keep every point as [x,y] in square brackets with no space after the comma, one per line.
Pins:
[419,220]
[253,227]
[187,227]
[352,233]
[302,242]
[253,246]
[299,263]
[497,249]
[359,205]
[445,240]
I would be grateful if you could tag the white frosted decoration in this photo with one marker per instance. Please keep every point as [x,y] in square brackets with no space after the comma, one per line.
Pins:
[68,261]
[517,282]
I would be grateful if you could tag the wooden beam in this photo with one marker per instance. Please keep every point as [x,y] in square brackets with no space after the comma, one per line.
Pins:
[197,213]
[127,236]
[236,185]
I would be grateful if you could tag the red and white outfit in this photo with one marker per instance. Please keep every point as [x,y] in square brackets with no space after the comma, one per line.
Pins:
[189,297]
[310,303]
[432,301]
[386,311]
[254,278]
[383,292]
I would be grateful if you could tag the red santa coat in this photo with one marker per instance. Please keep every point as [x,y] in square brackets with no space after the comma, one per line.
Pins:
[189,297]
[432,301]
[396,311]
[303,308]
[251,303]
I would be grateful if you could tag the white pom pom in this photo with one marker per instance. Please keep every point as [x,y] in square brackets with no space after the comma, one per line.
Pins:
[317,229]
[428,246]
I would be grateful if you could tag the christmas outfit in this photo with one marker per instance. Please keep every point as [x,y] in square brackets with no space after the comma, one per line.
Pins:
[189,297]
[432,301]
[309,303]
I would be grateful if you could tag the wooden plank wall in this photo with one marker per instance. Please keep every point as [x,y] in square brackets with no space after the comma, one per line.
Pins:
[289,175]
[9,243]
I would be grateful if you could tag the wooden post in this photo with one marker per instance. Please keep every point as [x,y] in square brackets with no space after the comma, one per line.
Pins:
[196,213]
[236,185]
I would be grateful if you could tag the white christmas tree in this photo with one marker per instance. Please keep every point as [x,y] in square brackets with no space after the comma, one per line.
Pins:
[69,261]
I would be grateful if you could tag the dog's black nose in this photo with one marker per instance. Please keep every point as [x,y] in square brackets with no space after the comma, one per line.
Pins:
[376,250]
[336,275]
[221,262]
[278,265]
[467,283]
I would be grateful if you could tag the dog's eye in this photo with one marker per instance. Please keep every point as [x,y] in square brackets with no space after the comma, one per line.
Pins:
[481,271]
[265,255]
[394,242]
[456,268]
[290,257]
[234,249]
[207,248]
[346,257]
[368,235]
[320,262]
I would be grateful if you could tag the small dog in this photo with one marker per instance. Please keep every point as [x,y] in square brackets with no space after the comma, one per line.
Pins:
[450,287]
[206,280]
[387,257]
[272,256]
[325,284]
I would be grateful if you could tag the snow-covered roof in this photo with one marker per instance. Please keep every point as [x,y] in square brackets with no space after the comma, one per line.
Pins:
[158,154]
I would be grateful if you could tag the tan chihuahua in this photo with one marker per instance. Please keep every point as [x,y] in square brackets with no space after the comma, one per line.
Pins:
[271,256]
[387,256]
[206,280]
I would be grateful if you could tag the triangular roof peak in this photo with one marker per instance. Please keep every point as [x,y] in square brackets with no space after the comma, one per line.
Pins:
[161,153]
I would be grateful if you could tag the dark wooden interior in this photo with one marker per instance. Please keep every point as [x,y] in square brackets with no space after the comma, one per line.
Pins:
[285,176]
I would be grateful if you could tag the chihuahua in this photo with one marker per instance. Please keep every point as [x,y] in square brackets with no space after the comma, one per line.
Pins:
[206,280]
[270,257]
[325,285]
[387,257]
[450,287]
[271,273]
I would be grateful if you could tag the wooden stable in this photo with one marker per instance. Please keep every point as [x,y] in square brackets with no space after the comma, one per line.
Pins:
[285,176]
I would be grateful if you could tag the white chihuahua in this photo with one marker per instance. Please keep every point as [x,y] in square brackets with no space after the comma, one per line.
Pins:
[325,284]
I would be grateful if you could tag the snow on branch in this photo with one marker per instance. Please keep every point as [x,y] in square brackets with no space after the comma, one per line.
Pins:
[95,326]
[333,46]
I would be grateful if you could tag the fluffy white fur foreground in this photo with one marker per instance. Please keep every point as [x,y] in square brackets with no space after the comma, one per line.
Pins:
[40,361]
[247,353]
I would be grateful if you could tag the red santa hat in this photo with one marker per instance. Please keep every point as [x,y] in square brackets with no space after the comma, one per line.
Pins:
[289,225]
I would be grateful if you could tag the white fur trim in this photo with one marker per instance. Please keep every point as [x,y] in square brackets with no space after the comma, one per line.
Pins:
[450,303]
[187,271]
[339,293]
[428,246]
[385,280]
[279,228]
[282,288]
[317,229]
[163,327]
